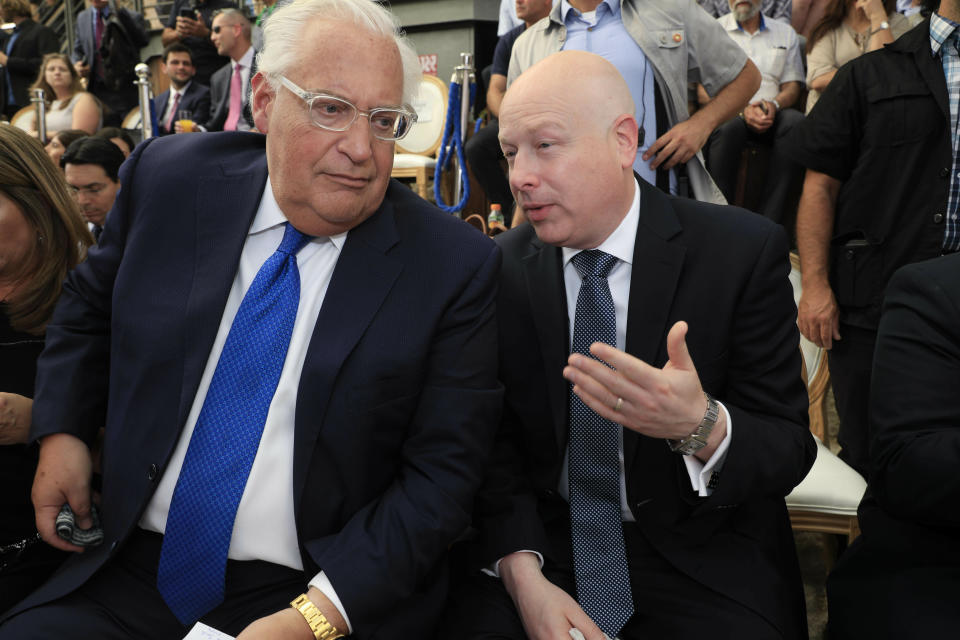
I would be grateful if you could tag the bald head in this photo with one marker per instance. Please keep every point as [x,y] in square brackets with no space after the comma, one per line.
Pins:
[568,133]
[585,85]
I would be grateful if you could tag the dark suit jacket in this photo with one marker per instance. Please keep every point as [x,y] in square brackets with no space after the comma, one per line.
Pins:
[196,98]
[397,402]
[220,97]
[724,271]
[901,578]
[34,41]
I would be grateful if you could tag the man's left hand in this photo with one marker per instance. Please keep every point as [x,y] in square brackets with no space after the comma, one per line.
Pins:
[287,624]
[660,403]
[677,145]
[3,58]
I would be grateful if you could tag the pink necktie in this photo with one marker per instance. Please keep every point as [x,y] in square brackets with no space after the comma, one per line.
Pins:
[236,100]
[168,125]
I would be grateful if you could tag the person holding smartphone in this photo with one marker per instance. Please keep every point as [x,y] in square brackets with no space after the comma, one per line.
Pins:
[190,22]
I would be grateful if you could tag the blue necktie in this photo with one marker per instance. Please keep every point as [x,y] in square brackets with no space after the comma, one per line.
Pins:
[193,558]
[599,556]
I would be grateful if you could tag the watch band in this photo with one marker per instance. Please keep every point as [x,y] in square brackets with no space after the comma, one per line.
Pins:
[698,439]
[776,104]
[321,627]
[883,25]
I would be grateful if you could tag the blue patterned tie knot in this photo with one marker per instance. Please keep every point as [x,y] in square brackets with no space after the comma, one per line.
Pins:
[599,554]
[292,241]
[593,263]
[224,443]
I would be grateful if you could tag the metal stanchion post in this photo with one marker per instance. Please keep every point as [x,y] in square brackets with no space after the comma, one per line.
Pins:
[143,83]
[40,113]
[465,74]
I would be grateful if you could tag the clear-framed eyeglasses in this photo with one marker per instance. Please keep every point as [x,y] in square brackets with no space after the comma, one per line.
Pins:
[336,114]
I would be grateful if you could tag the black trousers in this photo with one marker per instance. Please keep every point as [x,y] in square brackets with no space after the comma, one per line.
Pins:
[725,146]
[667,603]
[851,361]
[483,157]
[121,601]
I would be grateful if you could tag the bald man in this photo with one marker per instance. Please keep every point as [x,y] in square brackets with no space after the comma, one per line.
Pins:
[643,500]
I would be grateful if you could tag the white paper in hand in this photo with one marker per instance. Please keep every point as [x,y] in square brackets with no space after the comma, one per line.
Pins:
[576,634]
[201,631]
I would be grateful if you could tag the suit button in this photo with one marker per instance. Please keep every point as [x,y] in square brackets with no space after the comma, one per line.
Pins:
[849,254]
[937,218]
[944,172]
[152,472]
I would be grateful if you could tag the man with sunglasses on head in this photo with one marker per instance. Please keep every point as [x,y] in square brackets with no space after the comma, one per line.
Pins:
[294,359]
[230,85]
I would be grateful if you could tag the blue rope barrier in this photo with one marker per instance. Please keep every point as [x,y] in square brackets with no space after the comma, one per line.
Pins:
[155,127]
[453,143]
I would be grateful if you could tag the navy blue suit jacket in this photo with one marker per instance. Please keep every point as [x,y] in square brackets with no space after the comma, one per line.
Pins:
[26,55]
[397,401]
[196,99]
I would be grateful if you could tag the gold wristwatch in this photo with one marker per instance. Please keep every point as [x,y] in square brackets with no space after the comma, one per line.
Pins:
[321,627]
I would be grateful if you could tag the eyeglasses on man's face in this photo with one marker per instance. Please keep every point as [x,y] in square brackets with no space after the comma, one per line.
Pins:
[337,114]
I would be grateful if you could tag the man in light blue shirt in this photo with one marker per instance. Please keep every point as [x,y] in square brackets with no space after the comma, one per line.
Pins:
[658,46]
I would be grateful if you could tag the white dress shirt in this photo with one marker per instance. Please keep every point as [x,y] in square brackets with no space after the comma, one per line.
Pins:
[774,48]
[265,527]
[172,100]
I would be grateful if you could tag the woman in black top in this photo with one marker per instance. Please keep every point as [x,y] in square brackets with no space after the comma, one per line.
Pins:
[42,236]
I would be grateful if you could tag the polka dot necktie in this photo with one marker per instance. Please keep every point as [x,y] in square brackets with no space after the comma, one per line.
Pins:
[599,556]
[224,443]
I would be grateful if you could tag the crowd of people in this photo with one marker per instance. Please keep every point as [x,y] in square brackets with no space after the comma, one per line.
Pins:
[289,398]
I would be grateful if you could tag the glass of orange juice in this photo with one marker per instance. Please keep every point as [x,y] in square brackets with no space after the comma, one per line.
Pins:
[185,119]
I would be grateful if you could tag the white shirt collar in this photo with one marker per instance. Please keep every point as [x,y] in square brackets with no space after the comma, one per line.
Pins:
[269,216]
[621,242]
[246,59]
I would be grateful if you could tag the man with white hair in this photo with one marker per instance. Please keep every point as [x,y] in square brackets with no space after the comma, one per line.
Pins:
[294,359]
[775,49]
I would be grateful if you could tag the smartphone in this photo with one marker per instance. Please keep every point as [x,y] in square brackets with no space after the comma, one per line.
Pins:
[188,13]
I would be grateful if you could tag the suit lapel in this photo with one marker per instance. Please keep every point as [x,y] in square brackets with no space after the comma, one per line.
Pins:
[543,270]
[226,204]
[361,280]
[657,264]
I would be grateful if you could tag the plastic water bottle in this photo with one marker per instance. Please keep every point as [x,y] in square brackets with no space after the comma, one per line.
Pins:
[495,222]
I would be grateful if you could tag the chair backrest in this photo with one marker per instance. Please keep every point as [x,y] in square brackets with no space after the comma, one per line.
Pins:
[816,372]
[132,119]
[24,118]
[431,106]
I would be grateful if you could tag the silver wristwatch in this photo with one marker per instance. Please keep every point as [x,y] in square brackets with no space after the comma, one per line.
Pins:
[698,439]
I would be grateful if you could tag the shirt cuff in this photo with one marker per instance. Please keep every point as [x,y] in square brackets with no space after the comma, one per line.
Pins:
[322,582]
[494,570]
[702,473]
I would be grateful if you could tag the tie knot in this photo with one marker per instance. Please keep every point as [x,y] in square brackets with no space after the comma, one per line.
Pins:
[594,263]
[292,241]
